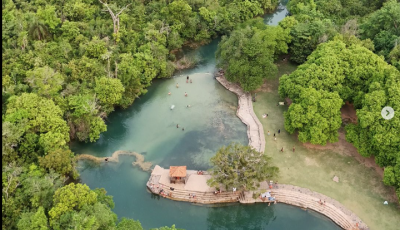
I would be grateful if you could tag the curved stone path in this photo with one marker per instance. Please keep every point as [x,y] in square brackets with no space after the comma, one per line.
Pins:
[255,131]
[288,194]
[159,183]
[307,199]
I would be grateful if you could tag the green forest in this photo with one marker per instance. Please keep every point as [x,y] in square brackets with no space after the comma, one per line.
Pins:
[347,53]
[66,65]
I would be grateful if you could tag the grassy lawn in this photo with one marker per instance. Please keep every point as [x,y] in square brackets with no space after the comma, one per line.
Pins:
[360,187]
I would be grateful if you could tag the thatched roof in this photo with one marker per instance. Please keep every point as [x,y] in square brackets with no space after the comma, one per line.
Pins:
[177,171]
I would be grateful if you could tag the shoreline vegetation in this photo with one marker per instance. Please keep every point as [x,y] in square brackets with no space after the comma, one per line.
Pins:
[186,62]
[66,66]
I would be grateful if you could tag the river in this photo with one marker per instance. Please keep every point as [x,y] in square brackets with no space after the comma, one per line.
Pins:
[149,127]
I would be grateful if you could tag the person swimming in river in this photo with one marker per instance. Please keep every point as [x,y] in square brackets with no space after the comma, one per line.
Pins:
[177,85]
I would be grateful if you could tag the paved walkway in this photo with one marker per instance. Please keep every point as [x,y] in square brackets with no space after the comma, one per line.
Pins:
[246,114]
[196,185]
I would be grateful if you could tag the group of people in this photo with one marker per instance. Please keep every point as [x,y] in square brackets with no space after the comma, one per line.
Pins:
[320,202]
[177,126]
[177,86]
[200,172]
[187,79]
[188,106]
[279,131]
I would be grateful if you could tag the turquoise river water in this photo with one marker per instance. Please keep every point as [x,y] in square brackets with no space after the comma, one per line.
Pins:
[149,127]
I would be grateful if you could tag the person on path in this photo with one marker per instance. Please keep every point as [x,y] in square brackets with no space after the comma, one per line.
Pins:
[274,134]
[187,81]
[282,149]
[274,138]
[185,94]
[183,129]
[190,80]
[177,85]
[279,131]
[187,78]
[169,93]
[293,149]
[177,125]
[268,132]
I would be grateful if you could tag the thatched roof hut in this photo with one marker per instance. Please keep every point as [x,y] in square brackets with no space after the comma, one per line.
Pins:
[177,173]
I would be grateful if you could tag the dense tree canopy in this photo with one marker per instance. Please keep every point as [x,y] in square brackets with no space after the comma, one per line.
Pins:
[241,167]
[66,66]
[383,27]
[248,54]
[352,73]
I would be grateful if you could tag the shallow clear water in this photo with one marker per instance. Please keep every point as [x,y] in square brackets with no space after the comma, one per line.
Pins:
[149,127]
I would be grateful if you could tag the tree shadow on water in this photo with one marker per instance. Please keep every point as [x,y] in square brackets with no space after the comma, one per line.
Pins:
[255,216]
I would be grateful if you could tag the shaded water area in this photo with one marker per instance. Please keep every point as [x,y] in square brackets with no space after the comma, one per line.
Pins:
[148,127]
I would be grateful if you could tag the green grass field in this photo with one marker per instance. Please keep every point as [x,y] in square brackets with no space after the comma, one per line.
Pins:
[360,187]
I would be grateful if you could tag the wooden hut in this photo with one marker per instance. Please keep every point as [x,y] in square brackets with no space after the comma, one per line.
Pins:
[177,174]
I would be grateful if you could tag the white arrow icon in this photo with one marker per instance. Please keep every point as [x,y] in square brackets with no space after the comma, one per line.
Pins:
[387,113]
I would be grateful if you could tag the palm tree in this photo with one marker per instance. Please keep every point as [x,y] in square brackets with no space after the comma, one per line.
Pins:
[38,29]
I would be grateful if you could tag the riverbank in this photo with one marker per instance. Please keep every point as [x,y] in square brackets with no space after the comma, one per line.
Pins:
[246,114]
[196,190]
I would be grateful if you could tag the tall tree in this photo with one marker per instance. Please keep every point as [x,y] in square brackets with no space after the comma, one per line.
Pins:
[241,167]
[115,18]
[248,53]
